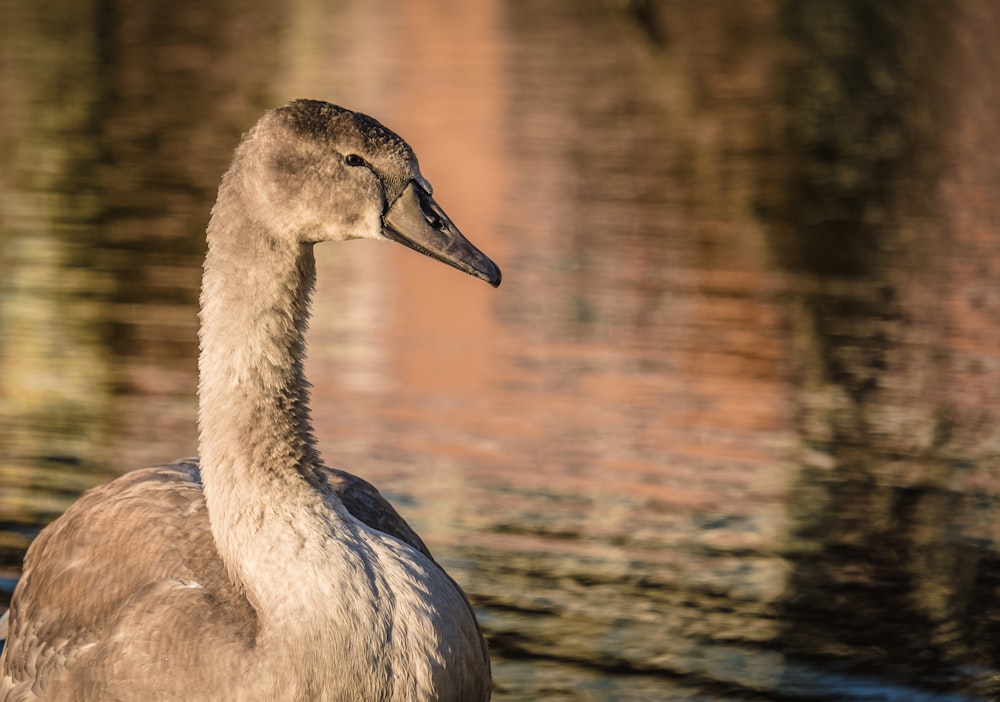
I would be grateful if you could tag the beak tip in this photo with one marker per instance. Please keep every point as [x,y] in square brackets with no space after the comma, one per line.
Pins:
[493,276]
[408,221]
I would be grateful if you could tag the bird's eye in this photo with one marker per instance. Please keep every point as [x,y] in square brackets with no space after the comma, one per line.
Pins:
[354,160]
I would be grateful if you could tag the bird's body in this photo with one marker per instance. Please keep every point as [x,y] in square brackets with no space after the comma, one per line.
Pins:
[259,574]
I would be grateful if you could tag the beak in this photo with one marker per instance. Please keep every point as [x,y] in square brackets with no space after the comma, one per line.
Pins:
[416,221]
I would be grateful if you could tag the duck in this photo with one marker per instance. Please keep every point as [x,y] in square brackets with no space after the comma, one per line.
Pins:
[256,572]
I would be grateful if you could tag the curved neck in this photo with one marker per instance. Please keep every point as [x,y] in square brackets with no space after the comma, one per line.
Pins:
[258,454]
[254,312]
[284,538]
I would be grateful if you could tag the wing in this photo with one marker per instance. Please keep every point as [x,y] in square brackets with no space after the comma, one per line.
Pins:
[137,547]
[130,570]
[367,505]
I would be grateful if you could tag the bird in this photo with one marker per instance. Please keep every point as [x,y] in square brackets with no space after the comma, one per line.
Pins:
[256,572]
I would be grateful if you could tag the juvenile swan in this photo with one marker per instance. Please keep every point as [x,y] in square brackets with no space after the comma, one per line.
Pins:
[259,573]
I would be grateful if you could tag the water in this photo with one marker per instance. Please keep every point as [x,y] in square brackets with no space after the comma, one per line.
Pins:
[727,431]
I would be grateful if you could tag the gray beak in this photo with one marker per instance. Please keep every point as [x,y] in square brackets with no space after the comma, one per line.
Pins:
[416,221]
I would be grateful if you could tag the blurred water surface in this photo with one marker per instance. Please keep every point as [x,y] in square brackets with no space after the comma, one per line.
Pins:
[729,429]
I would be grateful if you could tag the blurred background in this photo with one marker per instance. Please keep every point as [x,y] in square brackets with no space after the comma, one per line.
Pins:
[730,428]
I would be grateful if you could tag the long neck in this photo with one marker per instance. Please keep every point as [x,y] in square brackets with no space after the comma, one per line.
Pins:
[254,312]
[340,607]
[257,446]
[284,538]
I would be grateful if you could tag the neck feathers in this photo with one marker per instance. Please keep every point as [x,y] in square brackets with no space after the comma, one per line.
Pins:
[254,312]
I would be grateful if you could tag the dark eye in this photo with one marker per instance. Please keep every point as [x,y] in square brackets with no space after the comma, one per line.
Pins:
[354,160]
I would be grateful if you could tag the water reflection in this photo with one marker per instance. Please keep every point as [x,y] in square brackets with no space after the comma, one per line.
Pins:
[728,429]
[877,515]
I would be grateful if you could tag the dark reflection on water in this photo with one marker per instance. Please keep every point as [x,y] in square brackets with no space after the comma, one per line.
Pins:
[886,528]
[727,431]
